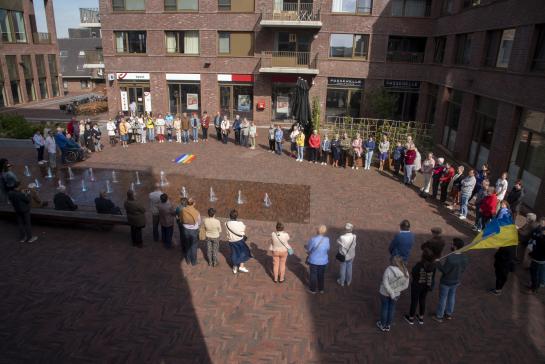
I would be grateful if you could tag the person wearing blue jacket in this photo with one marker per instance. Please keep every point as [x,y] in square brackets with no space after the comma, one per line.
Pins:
[195,122]
[403,242]
[317,249]
[326,149]
[278,139]
[369,149]
[237,125]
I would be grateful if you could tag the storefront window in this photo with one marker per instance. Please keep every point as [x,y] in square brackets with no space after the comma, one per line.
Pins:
[236,100]
[282,95]
[344,97]
[184,97]
[407,98]
[453,118]
[528,157]
[139,94]
[484,121]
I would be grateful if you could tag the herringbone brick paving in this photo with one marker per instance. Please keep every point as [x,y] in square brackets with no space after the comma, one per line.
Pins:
[84,295]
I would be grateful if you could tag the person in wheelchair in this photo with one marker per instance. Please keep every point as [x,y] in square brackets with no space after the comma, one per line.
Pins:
[70,150]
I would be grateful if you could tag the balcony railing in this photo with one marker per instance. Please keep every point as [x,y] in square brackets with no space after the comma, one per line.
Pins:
[89,16]
[288,62]
[410,57]
[293,12]
[13,37]
[41,38]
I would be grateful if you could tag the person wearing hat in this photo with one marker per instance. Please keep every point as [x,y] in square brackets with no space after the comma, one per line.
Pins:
[35,199]
[20,200]
[62,201]
[347,249]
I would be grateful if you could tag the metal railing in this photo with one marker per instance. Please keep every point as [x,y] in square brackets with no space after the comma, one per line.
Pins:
[293,12]
[399,56]
[288,59]
[13,37]
[89,15]
[41,38]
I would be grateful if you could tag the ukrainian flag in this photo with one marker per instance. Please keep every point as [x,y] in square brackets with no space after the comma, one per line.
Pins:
[497,233]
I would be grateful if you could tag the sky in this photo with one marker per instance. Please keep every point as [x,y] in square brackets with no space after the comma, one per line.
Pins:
[67,14]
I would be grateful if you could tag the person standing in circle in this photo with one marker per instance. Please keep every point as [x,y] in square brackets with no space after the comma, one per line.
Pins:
[279,249]
[236,236]
[317,249]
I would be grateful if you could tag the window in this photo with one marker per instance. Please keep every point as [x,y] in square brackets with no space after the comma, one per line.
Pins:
[237,44]
[406,49]
[12,26]
[433,95]
[64,84]
[13,73]
[84,84]
[238,6]
[538,62]
[352,6]
[498,48]
[454,106]
[128,5]
[471,3]
[29,78]
[186,42]
[63,53]
[181,5]
[52,60]
[184,97]
[439,44]
[130,42]
[483,131]
[40,65]
[411,7]
[447,7]
[42,83]
[463,49]
[349,45]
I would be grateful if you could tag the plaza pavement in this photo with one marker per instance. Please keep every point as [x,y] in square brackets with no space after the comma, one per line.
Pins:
[82,294]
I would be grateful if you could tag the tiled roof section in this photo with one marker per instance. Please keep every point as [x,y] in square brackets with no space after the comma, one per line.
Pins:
[71,60]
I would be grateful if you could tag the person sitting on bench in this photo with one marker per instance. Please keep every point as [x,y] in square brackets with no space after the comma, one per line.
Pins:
[106,206]
[62,201]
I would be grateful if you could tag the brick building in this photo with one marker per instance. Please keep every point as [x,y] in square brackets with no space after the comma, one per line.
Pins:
[475,68]
[29,66]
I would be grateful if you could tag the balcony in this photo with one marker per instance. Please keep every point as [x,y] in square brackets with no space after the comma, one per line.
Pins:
[408,57]
[293,15]
[89,18]
[289,62]
[13,37]
[94,59]
[41,38]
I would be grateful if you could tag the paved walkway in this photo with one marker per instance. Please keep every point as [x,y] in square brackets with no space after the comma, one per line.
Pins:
[85,295]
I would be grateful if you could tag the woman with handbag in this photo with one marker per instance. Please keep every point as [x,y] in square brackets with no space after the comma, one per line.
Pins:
[394,281]
[280,249]
[346,254]
[317,249]
[236,236]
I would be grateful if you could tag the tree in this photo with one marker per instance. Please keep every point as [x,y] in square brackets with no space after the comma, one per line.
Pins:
[316,113]
[382,104]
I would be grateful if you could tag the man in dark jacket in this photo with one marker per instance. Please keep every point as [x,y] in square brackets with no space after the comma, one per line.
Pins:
[504,262]
[136,218]
[515,197]
[62,201]
[106,206]
[20,200]
[452,269]
[537,254]
[433,248]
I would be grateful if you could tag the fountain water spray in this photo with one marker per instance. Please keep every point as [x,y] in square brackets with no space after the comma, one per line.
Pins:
[267,201]
[108,187]
[27,172]
[164,181]
[83,186]
[70,174]
[49,173]
[183,192]
[138,178]
[60,185]
[37,183]
[91,175]
[114,177]
[132,187]
[240,200]
[213,197]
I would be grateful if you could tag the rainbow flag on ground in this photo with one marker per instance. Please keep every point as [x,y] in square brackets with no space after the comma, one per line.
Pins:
[497,233]
[185,159]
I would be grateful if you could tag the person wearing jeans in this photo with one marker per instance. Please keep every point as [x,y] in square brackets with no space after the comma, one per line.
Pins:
[166,219]
[300,144]
[21,202]
[191,220]
[452,270]
[155,199]
[347,248]
[394,281]
[423,276]
[278,139]
[212,228]
[195,122]
[369,149]
[466,189]
[317,249]
[279,249]
[136,218]
[39,143]
[410,157]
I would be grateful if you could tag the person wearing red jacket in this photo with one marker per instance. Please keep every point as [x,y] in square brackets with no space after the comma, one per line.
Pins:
[314,144]
[205,123]
[410,157]
[487,207]
[445,180]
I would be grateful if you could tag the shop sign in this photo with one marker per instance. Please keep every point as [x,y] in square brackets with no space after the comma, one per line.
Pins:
[126,76]
[183,77]
[124,101]
[282,104]
[235,78]
[345,82]
[403,84]
[244,103]
[192,101]
[147,101]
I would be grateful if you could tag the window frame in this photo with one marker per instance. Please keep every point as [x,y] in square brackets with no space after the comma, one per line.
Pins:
[353,54]
[10,15]
[356,8]
[439,51]
[230,10]
[180,39]
[126,48]
[403,40]
[538,64]
[124,9]
[480,118]
[493,47]
[427,10]
[460,52]
[230,33]
[177,10]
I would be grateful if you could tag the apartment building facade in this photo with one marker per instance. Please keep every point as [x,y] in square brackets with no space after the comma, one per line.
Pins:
[474,68]
[29,65]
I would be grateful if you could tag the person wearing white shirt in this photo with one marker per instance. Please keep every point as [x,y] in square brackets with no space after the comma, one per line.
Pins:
[501,186]
[236,236]
[39,143]
[160,126]
[347,248]
[225,125]
[51,147]
[110,127]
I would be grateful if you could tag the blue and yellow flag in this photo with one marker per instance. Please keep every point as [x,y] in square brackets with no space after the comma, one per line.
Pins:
[497,233]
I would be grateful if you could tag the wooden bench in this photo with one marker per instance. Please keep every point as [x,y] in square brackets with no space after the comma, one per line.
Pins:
[68,217]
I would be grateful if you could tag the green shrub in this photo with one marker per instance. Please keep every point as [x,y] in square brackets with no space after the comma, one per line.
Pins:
[15,126]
